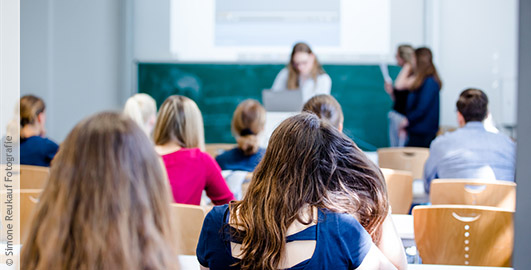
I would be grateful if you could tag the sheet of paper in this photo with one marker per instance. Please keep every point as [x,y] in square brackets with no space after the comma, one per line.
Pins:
[385,73]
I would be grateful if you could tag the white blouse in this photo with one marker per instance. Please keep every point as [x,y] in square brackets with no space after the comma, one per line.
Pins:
[309,87]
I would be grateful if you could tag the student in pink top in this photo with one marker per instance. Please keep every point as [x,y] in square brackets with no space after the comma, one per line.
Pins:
[179,139]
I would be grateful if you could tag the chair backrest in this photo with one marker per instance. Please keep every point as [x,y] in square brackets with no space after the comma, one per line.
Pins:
[464,235]
[409,159]
[214,149]
[399,190]
[33,177]
[28,201]
[187,221]
[500,194]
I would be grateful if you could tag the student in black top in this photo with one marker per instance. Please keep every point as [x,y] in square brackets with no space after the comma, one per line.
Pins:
[405,57]
[35,149]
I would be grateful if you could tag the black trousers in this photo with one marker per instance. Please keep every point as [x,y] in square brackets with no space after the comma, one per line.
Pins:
[420,140]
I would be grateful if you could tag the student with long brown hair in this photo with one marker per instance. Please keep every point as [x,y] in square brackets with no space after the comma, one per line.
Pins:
[35,148]
[306,207]
[303,72]
[179,140]
[248,123]
[106,204]
[422,110]
[328,109]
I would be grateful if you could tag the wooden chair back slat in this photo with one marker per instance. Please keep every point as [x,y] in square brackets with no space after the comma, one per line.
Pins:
[411,159]
[399,190]
[464,235]
[500,194]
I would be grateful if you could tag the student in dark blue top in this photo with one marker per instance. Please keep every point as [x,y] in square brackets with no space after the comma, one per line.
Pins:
[248,122]
[315,202]
[35,149]
[422,110]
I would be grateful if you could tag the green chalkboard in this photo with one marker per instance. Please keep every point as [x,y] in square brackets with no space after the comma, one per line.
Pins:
[218,88]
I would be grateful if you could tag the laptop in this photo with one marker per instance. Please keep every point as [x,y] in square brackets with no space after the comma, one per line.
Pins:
[282,101]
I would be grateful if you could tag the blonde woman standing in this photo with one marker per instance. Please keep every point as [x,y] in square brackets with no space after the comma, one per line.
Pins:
[179,140]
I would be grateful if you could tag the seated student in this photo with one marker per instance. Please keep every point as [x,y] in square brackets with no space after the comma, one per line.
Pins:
[471,151]
[306,207]
[248,122]
[326,107]
[35,149]
[106,204]
[303,72]
[179,139]
[142,108]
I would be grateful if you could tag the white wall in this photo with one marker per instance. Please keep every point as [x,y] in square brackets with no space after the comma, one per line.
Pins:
[71,55]
[474,44]
[152,28]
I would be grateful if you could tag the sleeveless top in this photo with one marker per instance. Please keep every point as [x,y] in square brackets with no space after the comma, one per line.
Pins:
[341,242]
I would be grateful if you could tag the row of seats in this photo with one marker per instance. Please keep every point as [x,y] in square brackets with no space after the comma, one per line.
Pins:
[471,234]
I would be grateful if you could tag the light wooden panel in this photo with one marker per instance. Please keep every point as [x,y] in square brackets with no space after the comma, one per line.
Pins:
[399,190]
[464,235]
[33,177]
[187,221]
[411,159]
[474,192]
[214,149]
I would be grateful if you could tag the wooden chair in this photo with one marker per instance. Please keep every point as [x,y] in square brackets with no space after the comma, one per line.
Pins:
[33,177]
[409,159]
[399,190]
[28,201]
[464,235]
[214,149]
[187,221]
[474,192]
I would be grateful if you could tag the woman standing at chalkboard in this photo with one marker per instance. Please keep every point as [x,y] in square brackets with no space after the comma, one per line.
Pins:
[422,110]
[303,72]
[405,57]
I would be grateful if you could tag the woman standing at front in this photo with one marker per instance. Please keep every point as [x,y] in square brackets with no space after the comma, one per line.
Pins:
[303,72]
[422,110]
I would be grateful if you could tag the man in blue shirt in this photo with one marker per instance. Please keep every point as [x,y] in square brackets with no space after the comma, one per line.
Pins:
[471,151]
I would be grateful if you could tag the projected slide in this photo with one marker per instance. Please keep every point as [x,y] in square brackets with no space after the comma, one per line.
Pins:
[277,22]
[257,30]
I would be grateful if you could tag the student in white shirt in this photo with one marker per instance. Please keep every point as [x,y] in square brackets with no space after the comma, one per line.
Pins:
[303,72]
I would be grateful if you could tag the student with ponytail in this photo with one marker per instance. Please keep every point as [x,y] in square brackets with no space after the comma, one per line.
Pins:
[248,123]
[35,148]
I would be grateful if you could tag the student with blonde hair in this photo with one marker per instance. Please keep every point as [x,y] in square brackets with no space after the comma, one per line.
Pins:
[142,108]
[179,140]
[106,204]
[315,202]
[35,148]
[248,123]
[405,58]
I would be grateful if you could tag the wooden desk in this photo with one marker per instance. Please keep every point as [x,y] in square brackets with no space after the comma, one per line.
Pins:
[404,226]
